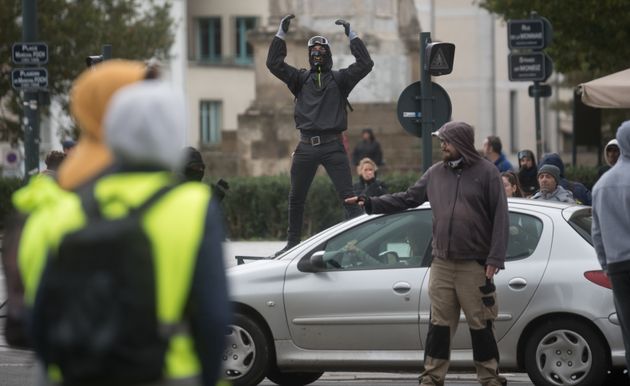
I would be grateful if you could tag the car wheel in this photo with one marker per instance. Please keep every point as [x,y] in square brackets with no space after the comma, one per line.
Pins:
[565,352]
[246,355]
[292,379]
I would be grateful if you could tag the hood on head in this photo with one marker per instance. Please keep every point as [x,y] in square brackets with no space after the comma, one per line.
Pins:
[145,125]
[612,142]
[328,62]
[553,159]
[89,99]
[527,153]
[623,140]
[462,136]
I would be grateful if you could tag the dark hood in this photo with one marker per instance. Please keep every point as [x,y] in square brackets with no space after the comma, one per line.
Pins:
[462,136]
[553,159]
[527,153]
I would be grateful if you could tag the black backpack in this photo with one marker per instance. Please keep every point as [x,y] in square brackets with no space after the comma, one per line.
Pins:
[95,312]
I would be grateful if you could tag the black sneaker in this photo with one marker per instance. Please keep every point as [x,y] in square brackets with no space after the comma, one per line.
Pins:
[290,244]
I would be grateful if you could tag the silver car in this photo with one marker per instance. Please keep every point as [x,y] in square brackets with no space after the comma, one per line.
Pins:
[354,298]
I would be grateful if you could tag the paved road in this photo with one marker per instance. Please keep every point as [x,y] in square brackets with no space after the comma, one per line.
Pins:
[17,367]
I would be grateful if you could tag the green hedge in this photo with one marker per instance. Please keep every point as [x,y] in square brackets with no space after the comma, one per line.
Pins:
[256,207]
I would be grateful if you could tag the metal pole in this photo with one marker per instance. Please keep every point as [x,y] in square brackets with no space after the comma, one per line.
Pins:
[106,51]
[30,105]
[537,113]
[426,100]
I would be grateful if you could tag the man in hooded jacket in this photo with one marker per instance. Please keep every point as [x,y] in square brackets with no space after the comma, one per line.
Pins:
[611,205]
[321,96]
[580,193]
[467,198]
[528,172]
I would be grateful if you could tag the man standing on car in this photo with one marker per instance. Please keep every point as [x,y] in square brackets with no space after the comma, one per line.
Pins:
[470,235]
[611,205]
[321,96]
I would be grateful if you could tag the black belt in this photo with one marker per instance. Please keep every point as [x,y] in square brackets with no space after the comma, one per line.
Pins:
[317,140]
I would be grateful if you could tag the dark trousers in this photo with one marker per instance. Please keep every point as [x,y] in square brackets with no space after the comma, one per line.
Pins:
[621,288]
[306,159]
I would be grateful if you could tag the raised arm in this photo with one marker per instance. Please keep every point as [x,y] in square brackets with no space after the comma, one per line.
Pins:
[275,57]
[363,62]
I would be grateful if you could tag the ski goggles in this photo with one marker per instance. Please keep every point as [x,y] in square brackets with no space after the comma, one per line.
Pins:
[523,154]
[322,41]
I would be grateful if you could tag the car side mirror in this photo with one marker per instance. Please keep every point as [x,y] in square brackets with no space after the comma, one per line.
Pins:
[315,263]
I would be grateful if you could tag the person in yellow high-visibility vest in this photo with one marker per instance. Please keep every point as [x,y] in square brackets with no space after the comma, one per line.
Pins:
[144,123]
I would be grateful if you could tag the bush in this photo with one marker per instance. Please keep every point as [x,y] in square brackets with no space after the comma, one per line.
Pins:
[587,175]
[257,207]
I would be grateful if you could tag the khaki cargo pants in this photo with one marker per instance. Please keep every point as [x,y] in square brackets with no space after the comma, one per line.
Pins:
[455,285]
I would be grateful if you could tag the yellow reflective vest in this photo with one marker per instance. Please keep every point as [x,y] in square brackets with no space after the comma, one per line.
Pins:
[174,226]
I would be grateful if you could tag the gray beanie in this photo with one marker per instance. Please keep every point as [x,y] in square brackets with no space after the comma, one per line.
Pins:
[552,170]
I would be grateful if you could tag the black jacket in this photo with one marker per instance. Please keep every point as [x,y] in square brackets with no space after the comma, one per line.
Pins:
[369,188]
[320,103]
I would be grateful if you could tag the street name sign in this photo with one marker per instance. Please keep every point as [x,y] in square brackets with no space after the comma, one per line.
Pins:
[533,66]
[29,53]
[29,79]
[531,34]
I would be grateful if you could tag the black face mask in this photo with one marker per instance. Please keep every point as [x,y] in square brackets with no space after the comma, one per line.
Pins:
[193,174]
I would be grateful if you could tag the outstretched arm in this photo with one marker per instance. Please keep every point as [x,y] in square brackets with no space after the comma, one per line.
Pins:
[277,52]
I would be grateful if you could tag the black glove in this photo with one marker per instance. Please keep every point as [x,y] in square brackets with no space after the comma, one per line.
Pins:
[284,25]
[345,24]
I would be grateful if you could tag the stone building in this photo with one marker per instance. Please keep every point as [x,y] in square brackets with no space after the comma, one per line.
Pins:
[266,134]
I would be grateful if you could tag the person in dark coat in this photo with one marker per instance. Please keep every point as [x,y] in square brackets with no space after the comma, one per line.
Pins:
[368,184]
[467,199]
[528,172]
[321,98]
[368,148]
[580,193]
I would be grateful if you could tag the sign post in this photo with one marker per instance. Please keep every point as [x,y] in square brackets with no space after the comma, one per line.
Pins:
[423,106]
[527,62]
[30,102]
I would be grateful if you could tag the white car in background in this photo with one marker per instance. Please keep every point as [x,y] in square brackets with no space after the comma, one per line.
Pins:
[354,298]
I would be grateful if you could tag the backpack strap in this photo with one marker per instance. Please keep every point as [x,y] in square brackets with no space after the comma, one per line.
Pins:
[92,207]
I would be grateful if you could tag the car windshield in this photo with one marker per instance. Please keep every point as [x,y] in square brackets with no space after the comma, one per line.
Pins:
[581,221]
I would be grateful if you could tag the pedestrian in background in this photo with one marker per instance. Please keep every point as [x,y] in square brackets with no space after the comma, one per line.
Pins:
[467,198]
[611,155]
[321,97]
[493,151]
[511,185]
[368,147]
[368,184]
[550,188]
[579,192]
[528,172]
[611,205]
[53,160]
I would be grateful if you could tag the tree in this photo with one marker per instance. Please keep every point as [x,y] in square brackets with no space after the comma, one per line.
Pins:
[73,30]
[590,37]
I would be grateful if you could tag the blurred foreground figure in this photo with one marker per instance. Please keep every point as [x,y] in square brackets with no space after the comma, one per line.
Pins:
[130,287]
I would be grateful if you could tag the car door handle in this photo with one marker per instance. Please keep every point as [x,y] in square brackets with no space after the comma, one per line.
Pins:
[517,283]
[402,287]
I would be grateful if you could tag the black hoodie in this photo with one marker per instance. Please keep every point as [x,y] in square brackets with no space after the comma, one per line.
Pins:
[470,215]
[320,106]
